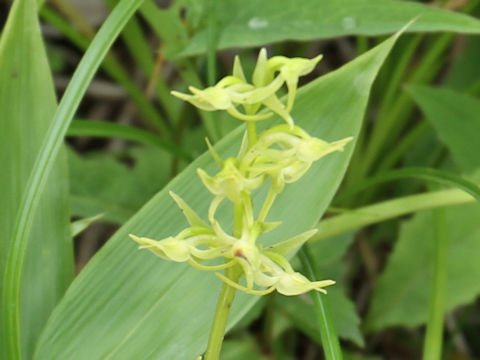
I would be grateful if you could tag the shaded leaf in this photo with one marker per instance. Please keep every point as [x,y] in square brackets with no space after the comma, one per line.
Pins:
[248,23]
[456,119]
[402,292]
[102,184]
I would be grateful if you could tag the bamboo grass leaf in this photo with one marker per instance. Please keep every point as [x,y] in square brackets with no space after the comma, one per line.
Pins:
[127,304]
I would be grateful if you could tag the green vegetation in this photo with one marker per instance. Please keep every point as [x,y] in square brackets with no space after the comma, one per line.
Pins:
[396,212]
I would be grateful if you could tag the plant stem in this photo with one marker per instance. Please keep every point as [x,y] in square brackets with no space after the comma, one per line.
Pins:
[219,325]
[225,300]
[267,204]
[252,133]
[373,214]
[433,338]
[328,334]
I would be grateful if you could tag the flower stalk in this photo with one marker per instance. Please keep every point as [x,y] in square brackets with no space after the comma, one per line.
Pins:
[279,155]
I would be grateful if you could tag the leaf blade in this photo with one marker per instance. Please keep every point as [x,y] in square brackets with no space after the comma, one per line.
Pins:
[249,23]
[27,100]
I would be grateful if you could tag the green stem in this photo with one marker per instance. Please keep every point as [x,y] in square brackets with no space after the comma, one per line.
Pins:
[225,300]
[224,304]
[328,334]
[267,204]
[433,338]
[237,219]
[252,133]
[212,43]
[372,214]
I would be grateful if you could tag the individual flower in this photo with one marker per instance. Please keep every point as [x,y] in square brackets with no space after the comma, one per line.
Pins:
[290,70]
[262,268]
[268,77]
[271,270]
[286,154]
[230,182]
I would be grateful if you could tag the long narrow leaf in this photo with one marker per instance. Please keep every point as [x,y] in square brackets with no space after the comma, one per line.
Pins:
[373,214]
[45,161]
[249,23]
[27,104]
[109,129]
[439,176]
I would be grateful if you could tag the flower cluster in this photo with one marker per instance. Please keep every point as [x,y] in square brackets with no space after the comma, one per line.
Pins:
[268,77]
[280,155]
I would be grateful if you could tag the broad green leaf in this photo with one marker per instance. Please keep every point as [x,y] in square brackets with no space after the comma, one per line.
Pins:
[27,104]
[129,304]
[401,296]
[456,119]
[100,183]
[247,23]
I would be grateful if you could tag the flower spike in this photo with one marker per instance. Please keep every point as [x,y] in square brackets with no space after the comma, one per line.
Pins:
[279,155]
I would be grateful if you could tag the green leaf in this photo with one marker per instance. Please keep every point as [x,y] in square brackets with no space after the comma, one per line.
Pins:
[27,103]
[128,304]
[423,173]
[456,119]
[248,23]
[110,129]
[78,226]
[47,154]
[402,293]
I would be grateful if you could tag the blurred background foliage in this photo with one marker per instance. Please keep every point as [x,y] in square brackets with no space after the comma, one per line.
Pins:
[130,137]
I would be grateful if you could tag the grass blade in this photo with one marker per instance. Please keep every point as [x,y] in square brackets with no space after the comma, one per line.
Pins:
[114,69]
[27,103]
[330,343]
[434,336]
[109,129]
[439,176]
